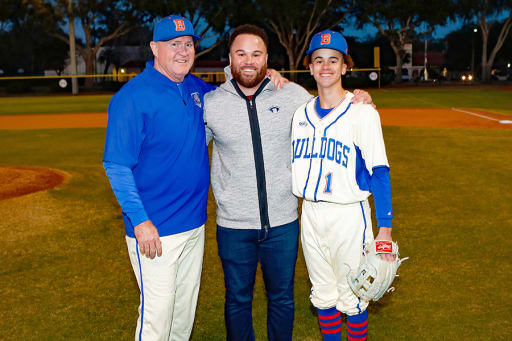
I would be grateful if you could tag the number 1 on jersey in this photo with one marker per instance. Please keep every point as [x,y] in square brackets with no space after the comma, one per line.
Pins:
[328,183]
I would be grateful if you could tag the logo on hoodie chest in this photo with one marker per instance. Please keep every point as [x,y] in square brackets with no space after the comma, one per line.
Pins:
[274,109]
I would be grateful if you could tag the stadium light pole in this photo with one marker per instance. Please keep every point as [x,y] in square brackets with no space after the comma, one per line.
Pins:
[473,52]
[425,72]
[72,49]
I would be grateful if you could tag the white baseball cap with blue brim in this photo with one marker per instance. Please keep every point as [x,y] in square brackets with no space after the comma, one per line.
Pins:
[174,26]
[328,40]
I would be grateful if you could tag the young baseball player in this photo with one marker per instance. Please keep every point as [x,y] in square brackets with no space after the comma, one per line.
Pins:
[338,160]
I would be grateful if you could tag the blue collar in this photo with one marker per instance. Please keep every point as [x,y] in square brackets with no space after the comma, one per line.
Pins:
[321,111]
[158,76]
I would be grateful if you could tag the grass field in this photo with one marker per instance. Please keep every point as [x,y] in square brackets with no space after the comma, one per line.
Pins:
[485,98]
[65,272]
[490,99]
[53,104]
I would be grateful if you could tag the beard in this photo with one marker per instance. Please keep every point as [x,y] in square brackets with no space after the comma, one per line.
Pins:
[249,81]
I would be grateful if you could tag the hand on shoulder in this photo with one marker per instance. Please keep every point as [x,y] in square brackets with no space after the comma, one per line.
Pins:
[363,97]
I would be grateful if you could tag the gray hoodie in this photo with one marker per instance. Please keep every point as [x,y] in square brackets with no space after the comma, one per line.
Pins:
[233,175]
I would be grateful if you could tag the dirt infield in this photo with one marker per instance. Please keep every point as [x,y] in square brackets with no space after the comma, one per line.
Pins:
[425,117]
[21,180]
[54,121]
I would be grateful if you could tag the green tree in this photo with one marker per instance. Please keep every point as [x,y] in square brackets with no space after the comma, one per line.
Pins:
[25,45]
[101,21]
[293,21]
[461,45]
[485,12]
[401,21]
[11,11]
[207,17]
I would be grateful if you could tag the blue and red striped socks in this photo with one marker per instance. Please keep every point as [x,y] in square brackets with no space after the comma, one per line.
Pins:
[357,326]
[330,324]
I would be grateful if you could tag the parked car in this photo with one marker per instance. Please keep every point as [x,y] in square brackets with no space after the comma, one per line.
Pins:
[467,77]
[405,74]
[500,75]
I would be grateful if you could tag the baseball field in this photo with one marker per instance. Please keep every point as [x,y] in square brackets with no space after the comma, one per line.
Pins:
[65,272]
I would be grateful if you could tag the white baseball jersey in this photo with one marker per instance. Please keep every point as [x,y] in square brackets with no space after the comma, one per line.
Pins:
[333,157]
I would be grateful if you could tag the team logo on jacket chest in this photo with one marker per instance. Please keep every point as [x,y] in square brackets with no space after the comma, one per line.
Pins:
[197,100]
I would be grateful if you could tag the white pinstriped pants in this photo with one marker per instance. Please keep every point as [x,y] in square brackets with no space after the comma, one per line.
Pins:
[332,237]
[169,286]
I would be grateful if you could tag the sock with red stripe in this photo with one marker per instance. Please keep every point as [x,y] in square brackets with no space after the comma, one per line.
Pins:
[330,324]
[357,326]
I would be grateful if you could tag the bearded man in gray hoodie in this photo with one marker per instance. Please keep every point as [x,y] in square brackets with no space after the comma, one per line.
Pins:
[250,125]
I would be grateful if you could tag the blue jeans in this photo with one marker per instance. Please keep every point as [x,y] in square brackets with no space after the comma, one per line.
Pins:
[240,251]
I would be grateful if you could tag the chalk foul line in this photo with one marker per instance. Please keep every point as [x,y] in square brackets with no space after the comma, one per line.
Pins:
[483,116]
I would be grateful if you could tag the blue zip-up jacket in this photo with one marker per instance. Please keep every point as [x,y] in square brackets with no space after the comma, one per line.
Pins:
[157,132]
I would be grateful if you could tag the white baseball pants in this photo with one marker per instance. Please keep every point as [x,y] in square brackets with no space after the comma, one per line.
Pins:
[169,286]
[332,237]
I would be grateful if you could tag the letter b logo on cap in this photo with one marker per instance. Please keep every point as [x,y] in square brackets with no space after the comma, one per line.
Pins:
[326,39]
[180,25]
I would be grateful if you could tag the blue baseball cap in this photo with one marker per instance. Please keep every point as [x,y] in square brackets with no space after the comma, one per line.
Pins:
[172,27]
[328,40]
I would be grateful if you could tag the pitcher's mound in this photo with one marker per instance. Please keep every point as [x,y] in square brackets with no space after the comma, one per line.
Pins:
[21,180]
